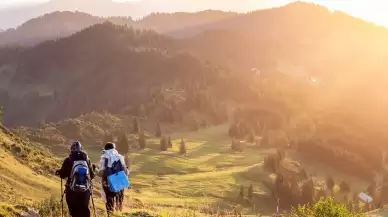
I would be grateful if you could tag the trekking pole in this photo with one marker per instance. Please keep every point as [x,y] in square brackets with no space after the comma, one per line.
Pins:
[62,193]
[91,195]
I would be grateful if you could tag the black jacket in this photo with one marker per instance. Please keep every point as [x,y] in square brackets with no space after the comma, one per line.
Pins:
[67,165]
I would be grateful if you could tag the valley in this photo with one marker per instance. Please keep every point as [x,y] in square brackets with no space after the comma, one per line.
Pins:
[218,113]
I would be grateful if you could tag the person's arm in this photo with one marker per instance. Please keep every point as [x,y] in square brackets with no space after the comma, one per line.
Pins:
[102,168]
[91,169]
[65,170]
[124,165]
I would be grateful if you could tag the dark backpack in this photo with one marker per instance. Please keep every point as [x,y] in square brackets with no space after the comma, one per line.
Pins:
[116,167]
[79,180]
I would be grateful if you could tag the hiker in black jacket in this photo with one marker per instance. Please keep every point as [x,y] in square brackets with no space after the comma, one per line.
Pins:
[79,172]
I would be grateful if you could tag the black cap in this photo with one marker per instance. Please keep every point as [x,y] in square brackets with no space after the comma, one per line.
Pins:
[75,146]
[110,145]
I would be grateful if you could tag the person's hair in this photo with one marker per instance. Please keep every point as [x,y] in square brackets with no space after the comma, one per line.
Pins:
[109,146]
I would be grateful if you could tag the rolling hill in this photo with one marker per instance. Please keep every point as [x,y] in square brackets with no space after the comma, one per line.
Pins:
[199,84]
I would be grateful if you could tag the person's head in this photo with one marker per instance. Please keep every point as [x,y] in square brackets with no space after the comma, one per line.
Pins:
[75,146]
[109,146]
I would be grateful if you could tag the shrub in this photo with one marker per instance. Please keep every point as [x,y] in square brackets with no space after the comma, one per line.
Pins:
[324,208]
[51,207]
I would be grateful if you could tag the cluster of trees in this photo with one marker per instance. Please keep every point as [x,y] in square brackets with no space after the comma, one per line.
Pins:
[166,143]
[123,144]
[249,194]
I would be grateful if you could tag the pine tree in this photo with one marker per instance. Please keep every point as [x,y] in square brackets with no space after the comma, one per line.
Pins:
[182,148]
[344,187]
[135,126]
[251,137]
[250,192]
[169,142]
[242,192]
[158,130]
[123,144]
[142,140]
[330,184]
[163,144]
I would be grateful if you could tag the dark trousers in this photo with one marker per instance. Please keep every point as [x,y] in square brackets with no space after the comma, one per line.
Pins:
[119,200]
[78,203]
[110,200]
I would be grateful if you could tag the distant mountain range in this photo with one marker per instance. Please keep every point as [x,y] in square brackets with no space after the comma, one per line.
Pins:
[61,24]
[298,37]
[13,17]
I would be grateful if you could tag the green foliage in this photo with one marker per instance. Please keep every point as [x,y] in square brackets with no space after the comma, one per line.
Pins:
[51,207]
[8,211]
[158,130]
[324,208]
[123,144]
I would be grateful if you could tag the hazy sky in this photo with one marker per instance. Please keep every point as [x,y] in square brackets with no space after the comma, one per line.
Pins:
[370,10]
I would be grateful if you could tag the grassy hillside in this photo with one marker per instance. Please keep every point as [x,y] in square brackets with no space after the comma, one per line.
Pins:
[26,170]
[207,179]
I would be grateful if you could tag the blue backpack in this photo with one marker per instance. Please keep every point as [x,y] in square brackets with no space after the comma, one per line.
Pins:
[79,177]
[116,178]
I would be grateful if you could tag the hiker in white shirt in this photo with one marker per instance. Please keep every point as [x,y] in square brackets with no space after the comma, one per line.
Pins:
[109,158]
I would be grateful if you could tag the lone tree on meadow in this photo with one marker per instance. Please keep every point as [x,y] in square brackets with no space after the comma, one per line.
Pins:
[182,148]
[135,126]
[169,142]
[123,144]
[158,130]
[163,144]
[241,192]
[250,192]
[142,140]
